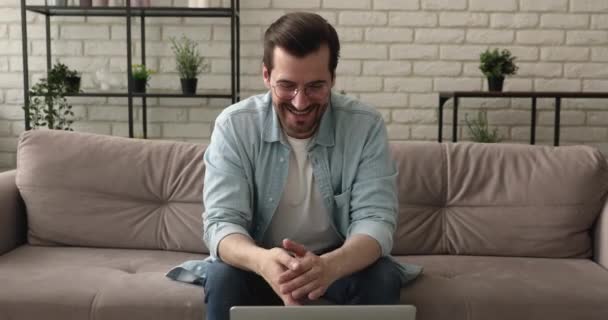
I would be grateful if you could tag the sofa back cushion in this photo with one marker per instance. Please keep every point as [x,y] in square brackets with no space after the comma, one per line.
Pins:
[101,191]
[466,198]
[498,199]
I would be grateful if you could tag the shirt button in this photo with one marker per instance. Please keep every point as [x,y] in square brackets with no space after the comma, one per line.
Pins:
[270,199]
[282,159]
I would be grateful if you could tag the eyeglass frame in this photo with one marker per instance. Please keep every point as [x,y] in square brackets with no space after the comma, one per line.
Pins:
[297,89]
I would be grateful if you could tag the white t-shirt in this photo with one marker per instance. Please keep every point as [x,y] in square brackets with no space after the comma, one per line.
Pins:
[301,215]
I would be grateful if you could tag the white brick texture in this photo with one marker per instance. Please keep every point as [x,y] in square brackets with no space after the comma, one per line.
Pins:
[444,4]
[396,4]
[493,5]
[514,21]
[413,19]
[544,5]
[396,55]
[589,5]
[463,19]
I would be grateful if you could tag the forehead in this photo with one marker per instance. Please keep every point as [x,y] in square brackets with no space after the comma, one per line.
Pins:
[312,67]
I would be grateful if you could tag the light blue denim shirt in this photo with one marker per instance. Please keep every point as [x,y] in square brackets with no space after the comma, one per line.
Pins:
[247,166]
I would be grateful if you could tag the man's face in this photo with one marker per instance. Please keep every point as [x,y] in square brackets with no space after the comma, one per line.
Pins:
[310,80]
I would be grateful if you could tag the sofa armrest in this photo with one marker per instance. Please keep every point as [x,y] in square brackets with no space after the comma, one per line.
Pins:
[12,213]
[600,245]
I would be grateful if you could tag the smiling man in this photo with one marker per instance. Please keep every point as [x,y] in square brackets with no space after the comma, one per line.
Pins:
[299,189]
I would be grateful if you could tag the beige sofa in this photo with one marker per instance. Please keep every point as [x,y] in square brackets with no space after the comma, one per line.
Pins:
[90,224]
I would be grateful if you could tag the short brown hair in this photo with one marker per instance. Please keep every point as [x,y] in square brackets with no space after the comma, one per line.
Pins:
[301,33]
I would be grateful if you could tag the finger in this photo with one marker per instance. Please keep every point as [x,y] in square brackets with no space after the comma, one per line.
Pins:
[299,281]
[305,290]
[294,247]
[317,293]
[305,264]
[288,300]
[288,275]
[286,260]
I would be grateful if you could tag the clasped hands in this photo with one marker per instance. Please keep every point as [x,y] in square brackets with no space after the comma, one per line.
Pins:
[297,274]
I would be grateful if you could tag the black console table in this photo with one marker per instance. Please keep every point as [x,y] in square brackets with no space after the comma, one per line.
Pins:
[456,95]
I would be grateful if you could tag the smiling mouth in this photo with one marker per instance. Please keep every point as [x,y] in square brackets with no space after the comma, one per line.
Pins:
[297,112]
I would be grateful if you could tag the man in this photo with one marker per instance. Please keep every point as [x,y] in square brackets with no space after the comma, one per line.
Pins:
[299,187]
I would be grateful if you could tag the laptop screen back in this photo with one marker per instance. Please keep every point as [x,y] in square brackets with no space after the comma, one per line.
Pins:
[317,312]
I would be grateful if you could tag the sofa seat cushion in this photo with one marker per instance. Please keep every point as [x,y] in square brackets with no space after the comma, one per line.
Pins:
[467,287]
[86,283]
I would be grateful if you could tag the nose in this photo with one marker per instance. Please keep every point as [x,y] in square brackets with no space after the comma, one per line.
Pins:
[300,101]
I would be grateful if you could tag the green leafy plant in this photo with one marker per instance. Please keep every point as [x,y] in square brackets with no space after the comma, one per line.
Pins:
[48,106]
[140,72]
[497,64]
[188,59]
[61,75]
[72,73]
[479,129]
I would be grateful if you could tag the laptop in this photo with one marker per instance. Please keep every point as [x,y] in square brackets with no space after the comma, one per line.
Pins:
[324,312]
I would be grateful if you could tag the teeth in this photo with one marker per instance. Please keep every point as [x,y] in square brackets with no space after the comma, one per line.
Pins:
[298,112]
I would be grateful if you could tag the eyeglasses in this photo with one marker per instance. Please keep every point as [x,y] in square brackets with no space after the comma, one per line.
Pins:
[288,91]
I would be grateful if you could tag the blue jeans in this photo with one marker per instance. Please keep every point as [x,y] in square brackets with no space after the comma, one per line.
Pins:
[227,286]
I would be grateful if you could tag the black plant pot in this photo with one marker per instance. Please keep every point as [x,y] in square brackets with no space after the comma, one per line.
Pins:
[139,85]
[72,84]
[495,84]
[189,86]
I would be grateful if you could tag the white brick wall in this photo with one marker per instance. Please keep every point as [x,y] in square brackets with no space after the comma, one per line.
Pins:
[396,55]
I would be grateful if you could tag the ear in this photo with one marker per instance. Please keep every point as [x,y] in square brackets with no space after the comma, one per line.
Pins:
[266,75]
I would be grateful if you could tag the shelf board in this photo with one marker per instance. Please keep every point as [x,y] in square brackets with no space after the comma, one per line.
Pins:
[135,11]
[522,94]
[151,94]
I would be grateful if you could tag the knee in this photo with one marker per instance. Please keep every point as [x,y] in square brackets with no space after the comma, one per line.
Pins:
[382,282]
[224,279]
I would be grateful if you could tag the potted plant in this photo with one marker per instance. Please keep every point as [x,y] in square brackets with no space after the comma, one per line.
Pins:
[72,81]
[140,76]
[48,106]
[189,63]
[479,129]
[495,65]
[61,75]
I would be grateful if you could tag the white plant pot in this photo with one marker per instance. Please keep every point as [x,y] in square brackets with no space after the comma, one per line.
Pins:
[59,3]
[140,3]
[199,3]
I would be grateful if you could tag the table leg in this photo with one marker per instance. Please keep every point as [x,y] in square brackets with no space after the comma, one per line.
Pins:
[440,121]
[455,120]
[533,125]
[558,103]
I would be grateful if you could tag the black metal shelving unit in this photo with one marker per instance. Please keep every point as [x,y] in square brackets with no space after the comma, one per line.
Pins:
[135,12]
[534,95]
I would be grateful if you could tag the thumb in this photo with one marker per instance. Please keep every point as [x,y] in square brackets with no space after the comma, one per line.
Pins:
[294,247]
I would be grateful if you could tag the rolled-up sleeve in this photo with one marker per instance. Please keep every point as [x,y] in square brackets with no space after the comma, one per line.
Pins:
[226,191]
[373,201]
